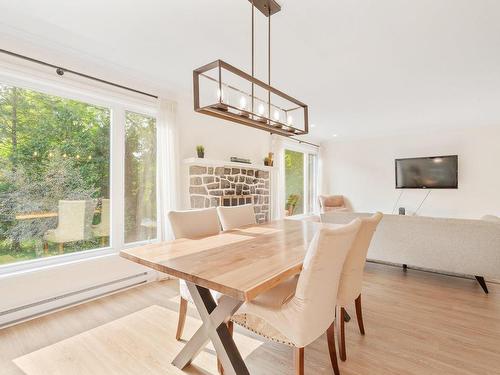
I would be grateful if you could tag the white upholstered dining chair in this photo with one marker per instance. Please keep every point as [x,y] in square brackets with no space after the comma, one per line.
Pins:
[351,281]
[191,224]
[301,309]
[236,216]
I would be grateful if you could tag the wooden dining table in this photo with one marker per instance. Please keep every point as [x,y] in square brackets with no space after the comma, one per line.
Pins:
[240,264]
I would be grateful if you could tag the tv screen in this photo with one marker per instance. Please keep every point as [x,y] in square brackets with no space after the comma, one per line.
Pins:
[436,172]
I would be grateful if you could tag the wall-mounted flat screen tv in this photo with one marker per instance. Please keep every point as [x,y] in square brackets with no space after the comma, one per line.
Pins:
[435,172]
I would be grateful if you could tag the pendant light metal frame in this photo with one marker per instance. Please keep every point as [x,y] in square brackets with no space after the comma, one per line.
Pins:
[229,112]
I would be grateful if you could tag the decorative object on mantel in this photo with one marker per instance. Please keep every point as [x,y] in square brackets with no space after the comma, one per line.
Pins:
[236,159]
[219,163]
[268,160]
[220,185]
[200,150]
[225,92]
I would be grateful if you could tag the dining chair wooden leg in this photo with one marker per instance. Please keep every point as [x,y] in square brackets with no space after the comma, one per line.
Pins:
[298,358]
[359,315]
[182,318]
[230,327]
[220,369]
[341,333]
[330,336]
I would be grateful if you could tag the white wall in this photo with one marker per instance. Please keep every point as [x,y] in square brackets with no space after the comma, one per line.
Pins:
[363,171]
[222,139]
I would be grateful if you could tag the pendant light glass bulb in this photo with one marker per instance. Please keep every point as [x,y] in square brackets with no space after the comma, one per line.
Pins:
[261,109]
[220,95]
[276,115]
[243,103]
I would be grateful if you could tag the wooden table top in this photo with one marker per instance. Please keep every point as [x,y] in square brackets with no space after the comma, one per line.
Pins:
[42,215]
[241,263]
[36,215]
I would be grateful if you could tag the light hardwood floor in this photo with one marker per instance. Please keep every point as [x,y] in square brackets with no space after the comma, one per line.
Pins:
[416,323]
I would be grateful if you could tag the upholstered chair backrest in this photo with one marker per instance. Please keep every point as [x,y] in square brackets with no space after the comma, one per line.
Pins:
[194,223]
[351,280]
[316,294]
[237,216]
[331,201]
[75,220]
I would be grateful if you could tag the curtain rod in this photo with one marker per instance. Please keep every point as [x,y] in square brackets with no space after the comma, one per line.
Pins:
[60,71]
[300,141]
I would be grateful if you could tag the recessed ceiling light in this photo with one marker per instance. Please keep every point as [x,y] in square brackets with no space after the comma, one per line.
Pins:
[334,135]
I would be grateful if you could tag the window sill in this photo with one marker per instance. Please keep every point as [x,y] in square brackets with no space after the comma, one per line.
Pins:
[58,260]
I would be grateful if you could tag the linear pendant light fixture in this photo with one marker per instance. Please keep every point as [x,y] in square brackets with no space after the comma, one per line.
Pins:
[224,91]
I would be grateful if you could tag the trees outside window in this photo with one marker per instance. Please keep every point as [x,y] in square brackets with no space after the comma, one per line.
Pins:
[140,177]
[54,153]
[52,150]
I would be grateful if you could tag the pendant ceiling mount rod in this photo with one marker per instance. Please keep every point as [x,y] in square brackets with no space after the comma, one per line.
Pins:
[266,7]
[266,10]
[223,91]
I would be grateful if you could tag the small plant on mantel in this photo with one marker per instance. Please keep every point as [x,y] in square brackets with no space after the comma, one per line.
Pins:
[200,150]
[268,160]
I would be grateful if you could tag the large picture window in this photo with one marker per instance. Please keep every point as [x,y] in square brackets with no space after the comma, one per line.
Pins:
[61,179]
[54,175]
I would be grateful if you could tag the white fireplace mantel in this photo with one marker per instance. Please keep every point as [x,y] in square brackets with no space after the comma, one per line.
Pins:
[223,163]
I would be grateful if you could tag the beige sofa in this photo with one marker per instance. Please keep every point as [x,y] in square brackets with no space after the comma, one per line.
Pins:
[453,246]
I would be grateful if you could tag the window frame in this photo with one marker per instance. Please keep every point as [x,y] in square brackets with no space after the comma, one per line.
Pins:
[118,103]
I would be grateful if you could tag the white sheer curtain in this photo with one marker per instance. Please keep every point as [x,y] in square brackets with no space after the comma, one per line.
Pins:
[167,171]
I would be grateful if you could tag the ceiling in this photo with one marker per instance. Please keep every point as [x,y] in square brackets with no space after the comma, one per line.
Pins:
[364,67]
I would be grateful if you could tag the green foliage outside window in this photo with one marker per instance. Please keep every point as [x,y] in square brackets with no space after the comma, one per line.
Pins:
[140,177]
[294,182]
[51,148]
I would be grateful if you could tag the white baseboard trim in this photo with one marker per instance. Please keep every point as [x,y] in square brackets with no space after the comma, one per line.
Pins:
[33,310]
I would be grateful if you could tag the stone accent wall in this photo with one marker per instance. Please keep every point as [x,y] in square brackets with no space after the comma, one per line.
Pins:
[230,186]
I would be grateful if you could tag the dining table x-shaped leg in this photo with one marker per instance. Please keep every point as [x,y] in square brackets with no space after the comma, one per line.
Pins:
[214,328]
